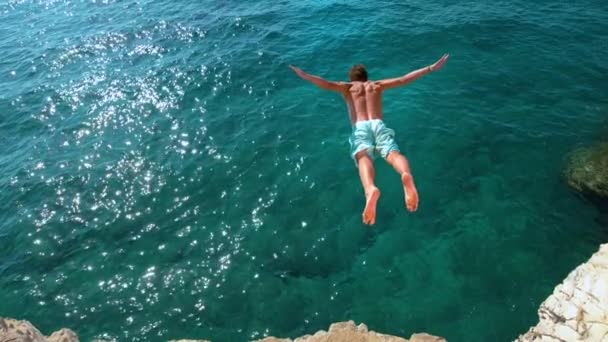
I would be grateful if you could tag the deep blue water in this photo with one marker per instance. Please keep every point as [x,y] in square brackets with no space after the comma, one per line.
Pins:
[163,174]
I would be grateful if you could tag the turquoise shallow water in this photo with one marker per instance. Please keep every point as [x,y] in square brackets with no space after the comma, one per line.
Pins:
[163,174]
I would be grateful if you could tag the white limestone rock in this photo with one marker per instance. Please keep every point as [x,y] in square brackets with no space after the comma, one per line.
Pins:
[578,308]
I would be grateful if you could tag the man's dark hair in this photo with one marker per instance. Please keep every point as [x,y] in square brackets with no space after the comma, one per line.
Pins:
[358,73]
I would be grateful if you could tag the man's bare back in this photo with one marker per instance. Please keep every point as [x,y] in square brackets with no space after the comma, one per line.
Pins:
[364,101]
[370,135]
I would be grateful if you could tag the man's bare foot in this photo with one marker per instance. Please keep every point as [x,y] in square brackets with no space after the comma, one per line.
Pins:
[369,213]
[411,195]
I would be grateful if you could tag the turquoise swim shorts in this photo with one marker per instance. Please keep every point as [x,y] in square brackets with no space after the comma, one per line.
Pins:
[374,136]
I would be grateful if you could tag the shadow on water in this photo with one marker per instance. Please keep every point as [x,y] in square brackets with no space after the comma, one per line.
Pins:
[324,263]
[601,203]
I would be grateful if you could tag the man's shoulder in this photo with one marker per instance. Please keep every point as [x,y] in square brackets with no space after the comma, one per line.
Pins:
[345,86]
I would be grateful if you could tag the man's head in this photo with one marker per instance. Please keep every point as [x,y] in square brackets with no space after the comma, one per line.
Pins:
[357,73]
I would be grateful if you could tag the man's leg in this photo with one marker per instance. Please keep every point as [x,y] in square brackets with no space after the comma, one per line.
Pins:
[366,172]
[400,164]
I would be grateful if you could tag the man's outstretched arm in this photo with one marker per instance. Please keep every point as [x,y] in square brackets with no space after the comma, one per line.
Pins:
[319,82]
[405,79]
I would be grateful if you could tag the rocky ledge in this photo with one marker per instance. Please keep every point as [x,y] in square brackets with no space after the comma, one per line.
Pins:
[349,332]
[12,330]
[578,308]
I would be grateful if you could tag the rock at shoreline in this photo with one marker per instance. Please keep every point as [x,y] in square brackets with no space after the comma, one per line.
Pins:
[587,170]
[349,332]
[12,330]
[578,308]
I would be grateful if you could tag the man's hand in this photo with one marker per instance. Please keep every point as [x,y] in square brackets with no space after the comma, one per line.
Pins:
[437,65]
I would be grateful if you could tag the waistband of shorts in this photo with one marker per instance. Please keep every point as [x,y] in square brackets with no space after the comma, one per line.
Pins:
[363,122]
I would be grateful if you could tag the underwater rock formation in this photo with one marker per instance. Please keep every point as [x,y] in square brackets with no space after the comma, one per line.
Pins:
[587,170]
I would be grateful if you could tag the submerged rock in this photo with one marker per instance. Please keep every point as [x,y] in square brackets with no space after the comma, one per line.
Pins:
[12,330]
[578,308]
[587,170]
[349,332]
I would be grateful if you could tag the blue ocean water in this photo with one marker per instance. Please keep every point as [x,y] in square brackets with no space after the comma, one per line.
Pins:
[163,174]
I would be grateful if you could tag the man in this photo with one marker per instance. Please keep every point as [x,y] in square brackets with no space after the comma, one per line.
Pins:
[370,136]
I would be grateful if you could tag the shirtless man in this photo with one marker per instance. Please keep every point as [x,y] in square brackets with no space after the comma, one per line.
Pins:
[370,136]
